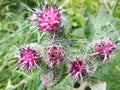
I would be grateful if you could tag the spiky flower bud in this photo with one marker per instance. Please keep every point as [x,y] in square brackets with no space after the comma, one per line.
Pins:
[54,55]
[29,56]
[104,49]
[48,18]
[78,68]
[48,79]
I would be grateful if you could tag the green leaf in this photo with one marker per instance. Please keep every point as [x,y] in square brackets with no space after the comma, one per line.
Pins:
[66,84]
[88,29]
[104,25]
[79,32]
[99,86]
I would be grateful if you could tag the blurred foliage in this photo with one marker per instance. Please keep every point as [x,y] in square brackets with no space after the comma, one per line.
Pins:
[90,21]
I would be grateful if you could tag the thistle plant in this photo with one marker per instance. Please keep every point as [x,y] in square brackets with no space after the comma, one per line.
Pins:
[53,57]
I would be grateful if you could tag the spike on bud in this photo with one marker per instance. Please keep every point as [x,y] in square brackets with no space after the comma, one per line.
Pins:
[78,68]
[54,55]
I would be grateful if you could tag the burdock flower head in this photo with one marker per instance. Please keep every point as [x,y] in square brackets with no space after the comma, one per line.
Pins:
[104,49]
[48,18]
[78,68]
[29,56]
[54,55]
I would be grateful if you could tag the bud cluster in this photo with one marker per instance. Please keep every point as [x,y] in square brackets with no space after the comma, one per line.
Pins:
[54,54]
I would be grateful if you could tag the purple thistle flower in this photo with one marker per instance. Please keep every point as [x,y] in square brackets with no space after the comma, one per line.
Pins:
[54,55]
[78,68]
[48,18]
[28,58]
[104,48]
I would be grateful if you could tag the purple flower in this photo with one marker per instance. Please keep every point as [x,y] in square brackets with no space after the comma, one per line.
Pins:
[104,48]
[78,68]
[28,58]
[47,18]
[54,55]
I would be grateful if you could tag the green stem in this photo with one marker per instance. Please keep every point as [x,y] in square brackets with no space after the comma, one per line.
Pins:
[106,6]
[115,6]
